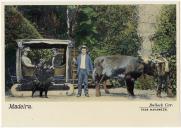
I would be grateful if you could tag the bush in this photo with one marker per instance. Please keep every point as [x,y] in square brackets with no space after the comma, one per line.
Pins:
[16,27]
[145,83]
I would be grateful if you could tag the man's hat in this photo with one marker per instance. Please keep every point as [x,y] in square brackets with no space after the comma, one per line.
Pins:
[27,49]
[83,46]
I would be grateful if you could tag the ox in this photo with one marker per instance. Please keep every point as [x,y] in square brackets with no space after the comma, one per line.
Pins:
[124,67]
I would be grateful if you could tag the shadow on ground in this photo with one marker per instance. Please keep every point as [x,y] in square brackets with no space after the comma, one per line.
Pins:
[141,96]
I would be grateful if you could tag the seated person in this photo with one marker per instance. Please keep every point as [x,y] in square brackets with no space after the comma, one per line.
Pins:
[57,59]
[58,62]
[27,66]
[28,70]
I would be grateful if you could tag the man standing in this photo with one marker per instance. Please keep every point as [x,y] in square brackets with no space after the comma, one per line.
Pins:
[84,67]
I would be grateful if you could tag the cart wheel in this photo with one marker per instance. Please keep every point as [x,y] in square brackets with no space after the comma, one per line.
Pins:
[70,92]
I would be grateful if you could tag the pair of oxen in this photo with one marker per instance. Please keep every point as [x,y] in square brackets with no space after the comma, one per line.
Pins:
[130,68]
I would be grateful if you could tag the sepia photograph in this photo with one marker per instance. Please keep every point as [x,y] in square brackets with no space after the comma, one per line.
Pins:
[91,53]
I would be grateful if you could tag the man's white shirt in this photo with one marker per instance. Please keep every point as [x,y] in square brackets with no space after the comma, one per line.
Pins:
[82,64]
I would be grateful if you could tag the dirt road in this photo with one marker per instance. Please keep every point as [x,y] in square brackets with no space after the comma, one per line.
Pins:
[116,94]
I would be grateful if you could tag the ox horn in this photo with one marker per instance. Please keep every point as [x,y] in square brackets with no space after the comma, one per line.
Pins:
[143,58]
[139,54]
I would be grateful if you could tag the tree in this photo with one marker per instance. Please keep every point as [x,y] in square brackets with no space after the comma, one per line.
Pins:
[16,27]
[108,30]
[49,20]
[165,38]
[116,27]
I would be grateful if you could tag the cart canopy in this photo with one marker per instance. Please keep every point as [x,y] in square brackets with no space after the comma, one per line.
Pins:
[41,43]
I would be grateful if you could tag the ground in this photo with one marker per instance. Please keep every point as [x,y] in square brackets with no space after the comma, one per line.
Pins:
[116,94]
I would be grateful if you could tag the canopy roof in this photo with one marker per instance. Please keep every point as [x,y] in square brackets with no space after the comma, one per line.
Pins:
[45,41]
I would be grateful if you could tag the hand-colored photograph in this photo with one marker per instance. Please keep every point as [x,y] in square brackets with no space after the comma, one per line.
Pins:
[90,52]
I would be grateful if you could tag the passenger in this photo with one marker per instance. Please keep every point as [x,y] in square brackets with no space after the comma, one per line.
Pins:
[27,66]
[28,71]
[57,59]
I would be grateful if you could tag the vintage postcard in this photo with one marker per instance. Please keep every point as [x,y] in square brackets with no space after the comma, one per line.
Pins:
[93,63]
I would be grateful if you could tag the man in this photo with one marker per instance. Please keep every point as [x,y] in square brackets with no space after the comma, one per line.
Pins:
[84,67]
[163,74]
[27,66]
[28,70]
[57,59]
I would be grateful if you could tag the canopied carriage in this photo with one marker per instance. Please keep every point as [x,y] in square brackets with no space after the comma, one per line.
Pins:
[64,76]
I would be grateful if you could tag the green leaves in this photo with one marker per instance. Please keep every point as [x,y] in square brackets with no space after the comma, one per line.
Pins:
[86,31]
[16,27]
[97,26]
[37,54]
[165,38]
[116,27]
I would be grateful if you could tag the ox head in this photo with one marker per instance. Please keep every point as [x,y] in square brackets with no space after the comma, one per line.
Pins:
[149,64]
[155,65]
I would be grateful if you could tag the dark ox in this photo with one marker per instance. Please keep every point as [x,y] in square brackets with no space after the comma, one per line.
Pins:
[124,67]
[128,68]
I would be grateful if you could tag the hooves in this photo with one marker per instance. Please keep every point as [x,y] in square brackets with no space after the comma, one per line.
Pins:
[170,95]
[133,96]
[158,95]
[98,94]
[107,92]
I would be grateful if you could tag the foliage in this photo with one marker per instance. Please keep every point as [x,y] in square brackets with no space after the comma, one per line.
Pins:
[49,20]
[107,30]
[16,27]
[45,54]
[145,82]
[165,38]
[116,26]
[85,31]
